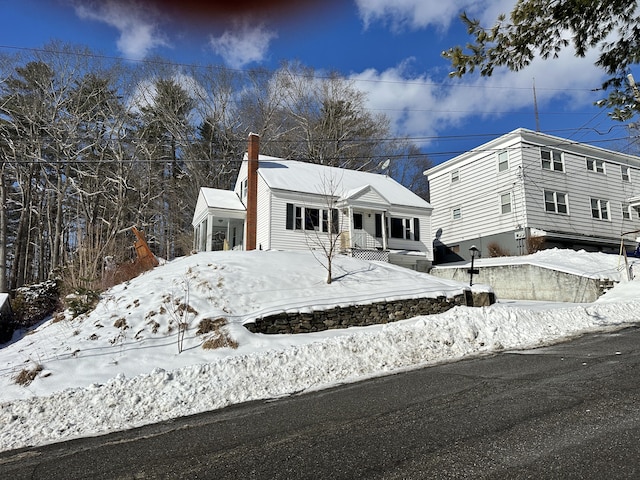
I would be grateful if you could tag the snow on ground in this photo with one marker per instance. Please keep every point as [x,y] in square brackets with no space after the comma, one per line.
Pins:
[589,264]
[119,366]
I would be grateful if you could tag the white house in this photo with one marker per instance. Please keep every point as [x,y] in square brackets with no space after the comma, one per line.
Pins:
[290,205]
[528,190]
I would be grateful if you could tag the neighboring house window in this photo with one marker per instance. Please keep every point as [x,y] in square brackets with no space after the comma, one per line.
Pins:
[243,188]
[594,165]
[555,202]
[600,209]
[407,229]
[357,221]
[626,211]
[330,218]
[456,213]
[455,176]
[552,160]
[626,177]
[505,203]
[503,161]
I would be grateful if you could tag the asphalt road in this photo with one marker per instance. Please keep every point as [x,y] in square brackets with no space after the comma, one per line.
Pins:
[567,411]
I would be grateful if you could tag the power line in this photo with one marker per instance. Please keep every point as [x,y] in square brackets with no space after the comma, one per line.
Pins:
[269,71]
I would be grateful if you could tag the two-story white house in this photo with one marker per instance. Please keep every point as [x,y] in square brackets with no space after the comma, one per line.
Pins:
[291,205]
[526,190]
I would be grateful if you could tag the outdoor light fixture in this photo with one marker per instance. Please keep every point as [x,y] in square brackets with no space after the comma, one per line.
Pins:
[474,250]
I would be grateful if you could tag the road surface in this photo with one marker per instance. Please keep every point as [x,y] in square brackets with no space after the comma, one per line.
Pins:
[566,411]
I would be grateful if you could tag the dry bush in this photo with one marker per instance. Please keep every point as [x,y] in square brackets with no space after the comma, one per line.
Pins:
[495,250]
[207,325]
[121,323]
[219,337]
[219,340]
[535,244]
[26,376]
[124,272]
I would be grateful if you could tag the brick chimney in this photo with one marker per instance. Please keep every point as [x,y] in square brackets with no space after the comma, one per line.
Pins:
[252,190]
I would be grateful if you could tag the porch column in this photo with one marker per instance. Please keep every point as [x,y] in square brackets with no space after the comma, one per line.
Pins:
[384,230]
[350,212]
[209,235]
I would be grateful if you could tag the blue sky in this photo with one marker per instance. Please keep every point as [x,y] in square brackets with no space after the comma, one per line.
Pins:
[390,48]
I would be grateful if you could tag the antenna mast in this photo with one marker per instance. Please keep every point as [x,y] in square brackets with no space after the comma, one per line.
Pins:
[535,106]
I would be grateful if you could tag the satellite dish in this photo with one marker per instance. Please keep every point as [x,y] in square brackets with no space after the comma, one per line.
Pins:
[384,165]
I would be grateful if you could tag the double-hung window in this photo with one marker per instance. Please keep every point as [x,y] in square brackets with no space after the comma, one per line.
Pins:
[503,161]
[555,202]
[505,203]
[626,176]
[552,160]
[594,165]
[600,209]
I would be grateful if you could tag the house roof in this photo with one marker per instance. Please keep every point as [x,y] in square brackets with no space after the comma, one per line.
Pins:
[311,178]
[222,199]
[535,138]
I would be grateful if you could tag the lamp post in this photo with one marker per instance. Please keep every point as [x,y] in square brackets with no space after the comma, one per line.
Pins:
[474,250]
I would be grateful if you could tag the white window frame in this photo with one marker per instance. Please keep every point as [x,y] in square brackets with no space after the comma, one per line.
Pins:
[600,209]
[504,204]
[625,172]
[455,176]
[503,161]
[456,213]
[595,165]
[626,211]
[555,162]
[555,200]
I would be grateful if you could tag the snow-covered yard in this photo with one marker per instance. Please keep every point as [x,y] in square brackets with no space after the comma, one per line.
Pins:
[120,367]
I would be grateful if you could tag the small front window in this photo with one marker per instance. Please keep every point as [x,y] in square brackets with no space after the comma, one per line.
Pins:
[503,161]
[505,203]
[455,176]
[456,213]
[626,176]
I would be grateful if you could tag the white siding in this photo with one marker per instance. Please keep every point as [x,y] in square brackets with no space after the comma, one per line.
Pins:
[477,193]
[263,230]
[580,185]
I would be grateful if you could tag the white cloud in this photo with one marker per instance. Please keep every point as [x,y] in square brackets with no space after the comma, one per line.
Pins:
[422,106]
[421,13]
[243,45]
[138,31]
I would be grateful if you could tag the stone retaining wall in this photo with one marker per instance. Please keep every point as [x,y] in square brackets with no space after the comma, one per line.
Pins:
[363,315]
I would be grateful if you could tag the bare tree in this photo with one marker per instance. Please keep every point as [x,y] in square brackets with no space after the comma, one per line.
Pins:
[326,227]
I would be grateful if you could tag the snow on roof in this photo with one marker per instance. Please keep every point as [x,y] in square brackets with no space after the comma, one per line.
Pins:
[223,199]
[316,179]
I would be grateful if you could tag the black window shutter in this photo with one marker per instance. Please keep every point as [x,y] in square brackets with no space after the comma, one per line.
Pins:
[335,221]
[416,229]
[289,221]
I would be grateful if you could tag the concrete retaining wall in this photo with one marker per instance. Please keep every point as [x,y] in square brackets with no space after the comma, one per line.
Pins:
[530,282]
